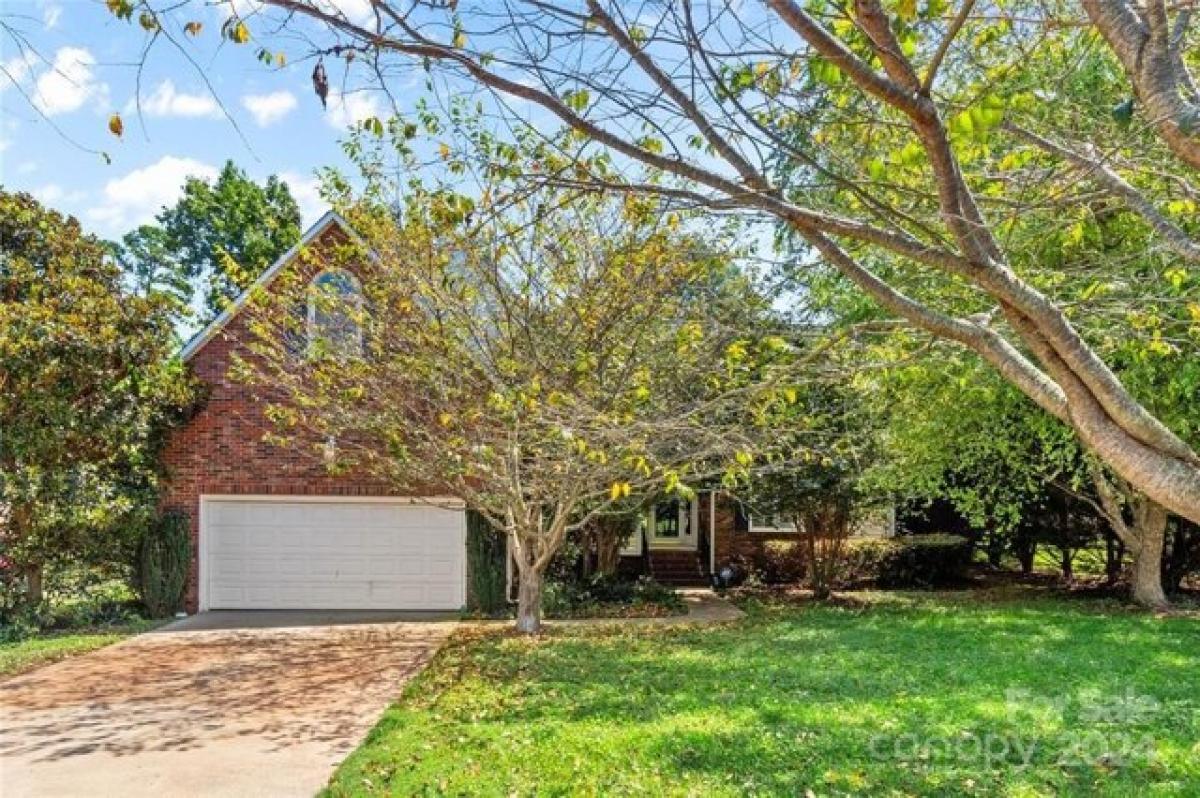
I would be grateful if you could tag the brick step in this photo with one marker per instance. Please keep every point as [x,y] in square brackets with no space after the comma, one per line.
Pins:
[693,580]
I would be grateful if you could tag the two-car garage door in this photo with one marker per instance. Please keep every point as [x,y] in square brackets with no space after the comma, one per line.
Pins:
[331,554]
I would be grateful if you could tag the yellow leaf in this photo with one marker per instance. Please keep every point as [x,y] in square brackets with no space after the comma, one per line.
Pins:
[614,492]
[444,150]
[240,34]
[460,39]
[116,126]
[193,28]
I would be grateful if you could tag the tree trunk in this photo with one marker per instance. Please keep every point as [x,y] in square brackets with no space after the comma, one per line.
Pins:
[1026,556]
[1114,551]
[1066,562]
[529,601]
[995,550]
[34,592]
[1150,526]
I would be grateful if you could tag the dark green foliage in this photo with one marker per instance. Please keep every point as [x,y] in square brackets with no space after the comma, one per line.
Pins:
[774,562]
[163,563]
[220,235]
[485,566]
[88,387]
[603,595]
[1181,556]
[915,561]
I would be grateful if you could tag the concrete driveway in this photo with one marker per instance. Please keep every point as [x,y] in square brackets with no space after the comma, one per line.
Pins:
[228,704]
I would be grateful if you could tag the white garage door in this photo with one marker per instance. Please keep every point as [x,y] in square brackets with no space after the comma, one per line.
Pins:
[331,554]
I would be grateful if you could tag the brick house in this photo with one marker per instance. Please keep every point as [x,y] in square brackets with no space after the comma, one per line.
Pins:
[272,529]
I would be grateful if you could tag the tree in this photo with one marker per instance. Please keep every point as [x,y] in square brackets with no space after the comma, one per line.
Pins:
[221,234]
[87,384]
[147,258]
[957,431]
[928,102]
[541,357]
[821,497]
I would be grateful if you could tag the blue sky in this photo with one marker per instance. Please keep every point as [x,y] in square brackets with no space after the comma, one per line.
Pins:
[82,73]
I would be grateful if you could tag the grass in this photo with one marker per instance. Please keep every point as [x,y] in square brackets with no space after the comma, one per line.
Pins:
[24,655]
[894,697]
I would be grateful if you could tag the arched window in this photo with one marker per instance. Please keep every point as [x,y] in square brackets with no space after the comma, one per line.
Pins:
[334,313]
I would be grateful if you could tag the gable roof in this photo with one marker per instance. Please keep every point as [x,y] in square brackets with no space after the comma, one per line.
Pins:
[198,340]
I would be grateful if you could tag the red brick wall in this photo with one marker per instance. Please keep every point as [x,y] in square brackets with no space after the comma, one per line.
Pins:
[220,450]
[734,542]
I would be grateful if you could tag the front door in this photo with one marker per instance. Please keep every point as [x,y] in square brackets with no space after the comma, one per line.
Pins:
[672,524]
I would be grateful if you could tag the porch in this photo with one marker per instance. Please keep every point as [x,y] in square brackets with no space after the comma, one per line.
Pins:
[675,543]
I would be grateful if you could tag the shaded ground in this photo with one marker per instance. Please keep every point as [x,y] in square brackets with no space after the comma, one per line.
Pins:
[885,694]
[240,712]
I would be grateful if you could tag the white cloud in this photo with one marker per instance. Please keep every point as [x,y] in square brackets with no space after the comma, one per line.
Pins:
[51,15]
[134,198]
[357,11]
[54,195]
[166,101]
[267,109]
[48,194]
[17,68]
[307,193]
[345,110]
[69,83]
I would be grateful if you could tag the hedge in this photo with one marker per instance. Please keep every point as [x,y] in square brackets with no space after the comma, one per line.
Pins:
[485,566]
[163,560]
[910,561]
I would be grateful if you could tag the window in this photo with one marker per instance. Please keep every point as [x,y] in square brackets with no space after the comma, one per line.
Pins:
[776,523]
[334,308]
[666,519]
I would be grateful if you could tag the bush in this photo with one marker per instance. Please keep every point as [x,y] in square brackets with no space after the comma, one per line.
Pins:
[774,562]
[163,561]
[911,561]
[572,598]
[78,597]
[485,566]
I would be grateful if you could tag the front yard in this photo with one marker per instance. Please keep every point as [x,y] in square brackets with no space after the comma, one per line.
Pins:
[905,695]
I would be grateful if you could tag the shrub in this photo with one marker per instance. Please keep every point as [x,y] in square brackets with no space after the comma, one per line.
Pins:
[911,561]
[80,596]
[163,561]
[574,597]
[485,566]
[772,563]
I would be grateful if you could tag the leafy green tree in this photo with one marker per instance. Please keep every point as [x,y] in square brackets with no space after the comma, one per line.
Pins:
[87,385]
[218,237]
[821,496]
[955,430]
[541,357]
[147,257]
[919,139]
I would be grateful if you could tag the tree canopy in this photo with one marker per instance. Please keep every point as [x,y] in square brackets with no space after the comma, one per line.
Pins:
[547,357]
[87,382]
[217,238]
[906,145]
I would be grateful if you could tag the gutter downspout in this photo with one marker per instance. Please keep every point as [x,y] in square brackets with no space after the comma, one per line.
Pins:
[712,532]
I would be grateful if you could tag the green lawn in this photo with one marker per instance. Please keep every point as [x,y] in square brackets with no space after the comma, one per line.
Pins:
[896,698]
[23,655]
